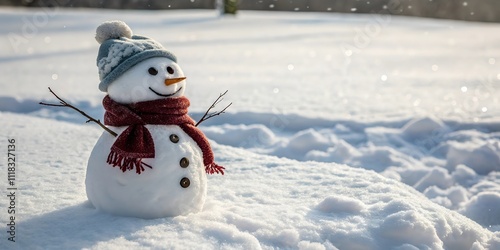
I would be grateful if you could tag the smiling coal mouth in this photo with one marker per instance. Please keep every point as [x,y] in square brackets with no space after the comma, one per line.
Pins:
[165,95]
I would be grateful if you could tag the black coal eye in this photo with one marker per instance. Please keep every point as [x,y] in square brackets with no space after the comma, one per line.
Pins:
[170,70]
[152,71]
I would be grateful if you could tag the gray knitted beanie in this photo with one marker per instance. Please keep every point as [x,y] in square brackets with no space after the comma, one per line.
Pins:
[120,50]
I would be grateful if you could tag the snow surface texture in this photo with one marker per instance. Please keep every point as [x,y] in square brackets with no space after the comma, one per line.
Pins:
[346,131]
[264,202]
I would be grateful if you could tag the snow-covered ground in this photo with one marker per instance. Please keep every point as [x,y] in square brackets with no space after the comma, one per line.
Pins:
[346,131]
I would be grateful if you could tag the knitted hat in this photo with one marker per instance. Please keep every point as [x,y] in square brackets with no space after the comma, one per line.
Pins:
[120,50]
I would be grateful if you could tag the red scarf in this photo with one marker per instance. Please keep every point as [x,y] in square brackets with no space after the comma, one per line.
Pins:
[136,142]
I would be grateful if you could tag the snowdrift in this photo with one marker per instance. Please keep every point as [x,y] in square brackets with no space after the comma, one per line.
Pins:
[262,202]
[346,131]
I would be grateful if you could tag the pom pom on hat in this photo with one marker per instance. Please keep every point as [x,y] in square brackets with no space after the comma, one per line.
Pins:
[112,30]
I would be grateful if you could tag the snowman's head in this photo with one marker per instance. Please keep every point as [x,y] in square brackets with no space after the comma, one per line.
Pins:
[152,79]
[135,68]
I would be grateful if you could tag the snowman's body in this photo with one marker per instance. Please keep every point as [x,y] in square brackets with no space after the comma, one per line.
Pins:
[136,69]
[156,192]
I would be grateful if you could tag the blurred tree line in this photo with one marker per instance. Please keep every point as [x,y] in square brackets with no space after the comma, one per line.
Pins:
[470,10]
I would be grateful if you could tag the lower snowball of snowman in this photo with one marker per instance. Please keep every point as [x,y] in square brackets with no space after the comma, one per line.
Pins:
[156,192]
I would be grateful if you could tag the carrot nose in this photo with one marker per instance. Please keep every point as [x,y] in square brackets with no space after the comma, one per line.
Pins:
[174,80]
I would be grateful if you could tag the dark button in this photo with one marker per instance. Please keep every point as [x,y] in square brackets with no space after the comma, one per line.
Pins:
[174,138]
[185,182]
[184,162]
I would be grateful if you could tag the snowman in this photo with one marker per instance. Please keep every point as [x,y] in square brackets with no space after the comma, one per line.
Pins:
[156,165]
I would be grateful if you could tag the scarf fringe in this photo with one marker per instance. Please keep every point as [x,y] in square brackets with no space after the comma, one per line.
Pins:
[126,163]
[213,168]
